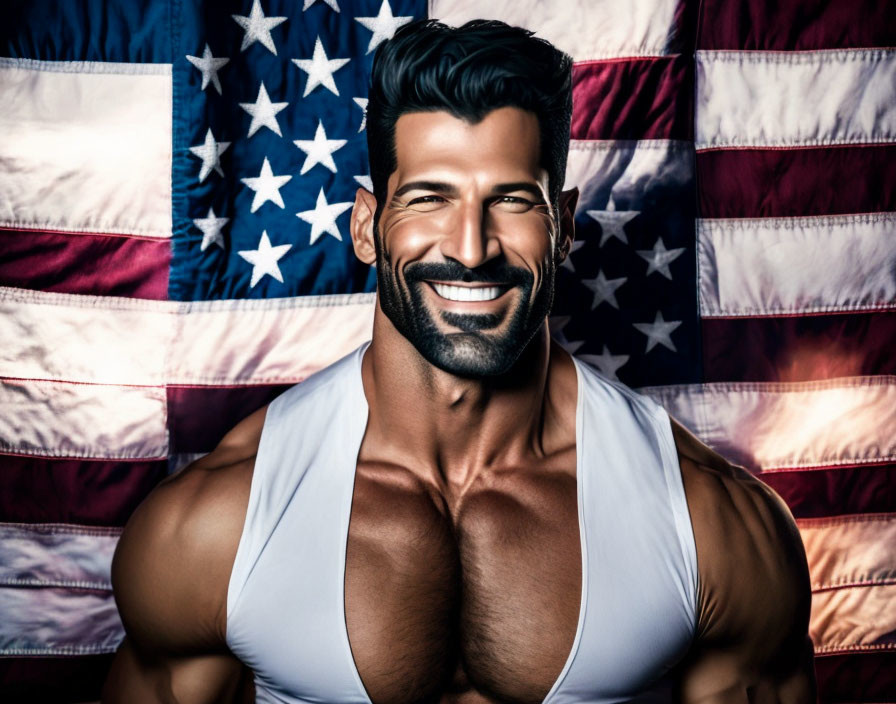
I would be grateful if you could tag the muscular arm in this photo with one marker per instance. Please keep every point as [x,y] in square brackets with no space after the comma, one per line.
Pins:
[170,575]
[752,642]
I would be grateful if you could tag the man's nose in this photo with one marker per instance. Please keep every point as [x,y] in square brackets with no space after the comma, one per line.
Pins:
[471,240]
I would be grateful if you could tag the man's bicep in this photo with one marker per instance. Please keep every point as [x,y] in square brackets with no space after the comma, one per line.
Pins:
[137,678]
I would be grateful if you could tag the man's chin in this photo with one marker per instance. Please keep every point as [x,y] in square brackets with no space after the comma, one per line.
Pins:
[468,354]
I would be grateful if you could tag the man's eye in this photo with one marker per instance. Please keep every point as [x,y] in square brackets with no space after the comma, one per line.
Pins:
[423,200]
[514,204]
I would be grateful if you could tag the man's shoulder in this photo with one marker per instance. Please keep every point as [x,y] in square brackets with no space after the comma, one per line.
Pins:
[753,578]
[172,565]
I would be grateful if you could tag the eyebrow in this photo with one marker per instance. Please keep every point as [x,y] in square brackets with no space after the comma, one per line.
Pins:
[449,189]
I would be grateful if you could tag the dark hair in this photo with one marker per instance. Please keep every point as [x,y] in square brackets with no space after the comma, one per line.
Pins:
[468,71]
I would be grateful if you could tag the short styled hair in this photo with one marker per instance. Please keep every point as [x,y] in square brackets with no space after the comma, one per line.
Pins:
[468,71]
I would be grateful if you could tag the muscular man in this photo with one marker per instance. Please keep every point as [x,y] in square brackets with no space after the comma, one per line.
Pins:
[459,511]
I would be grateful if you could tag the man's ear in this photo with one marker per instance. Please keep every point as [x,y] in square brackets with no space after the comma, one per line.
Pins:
[362,226]
[567,206]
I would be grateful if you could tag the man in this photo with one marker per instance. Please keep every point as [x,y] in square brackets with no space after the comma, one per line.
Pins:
[460,512]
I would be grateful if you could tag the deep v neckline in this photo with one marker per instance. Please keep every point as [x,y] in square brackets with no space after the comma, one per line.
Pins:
[359,429]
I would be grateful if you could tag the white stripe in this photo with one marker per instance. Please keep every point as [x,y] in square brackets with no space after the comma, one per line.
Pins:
[791,99]
[274,341]
[123,68]
[769,266]
[58,419]
[85,147]
[627,171]
[40,567]
[585,29]
[776,425]
[56,555]
[854,620]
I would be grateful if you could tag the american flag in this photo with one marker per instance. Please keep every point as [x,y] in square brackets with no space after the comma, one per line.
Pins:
[175,186]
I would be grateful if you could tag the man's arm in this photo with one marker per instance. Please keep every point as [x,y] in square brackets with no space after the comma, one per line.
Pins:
[170,574]
[752,642]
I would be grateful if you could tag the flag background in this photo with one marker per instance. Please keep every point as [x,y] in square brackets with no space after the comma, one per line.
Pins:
[735,259]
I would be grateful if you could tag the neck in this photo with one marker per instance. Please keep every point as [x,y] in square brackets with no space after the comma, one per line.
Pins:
[451,429]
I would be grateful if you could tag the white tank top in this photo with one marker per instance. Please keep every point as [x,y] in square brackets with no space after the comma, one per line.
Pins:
[285,602]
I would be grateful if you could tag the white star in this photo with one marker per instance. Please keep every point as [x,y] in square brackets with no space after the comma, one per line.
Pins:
[331,3]
[210,152]
[362,103]
[555,326]
[323,217]
[383,26]
[263,112]
[319,150]
[258,27]
[606,362]
[264,259]
[659,258]
[604,289]
[211,229]
[658,332]
[209,66]
[567,263]
[266,186]
[320,69]
[365,182]
[612,222]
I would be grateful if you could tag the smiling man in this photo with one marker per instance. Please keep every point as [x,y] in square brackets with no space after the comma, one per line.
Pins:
[459,511]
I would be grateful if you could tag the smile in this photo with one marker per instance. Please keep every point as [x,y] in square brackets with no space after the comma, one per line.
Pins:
[467,293]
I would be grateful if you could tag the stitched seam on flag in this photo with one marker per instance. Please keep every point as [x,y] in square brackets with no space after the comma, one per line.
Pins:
[739,313]
[6,449]
[804,143]
[63,529]
[836,649]
[57,583]
[759,147]
[62,650]
[814,464]
[119,67]
[849,584]
[846,519]
[851,465]
[796,222]
[633,144]
[616,59]
[74,382]
[80,231]
[810,56]
[726,387]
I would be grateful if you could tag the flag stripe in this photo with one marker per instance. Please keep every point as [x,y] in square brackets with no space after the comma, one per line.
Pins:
[851,489]
[585,29]
[800,348]
[63,419]
[750,99]
[787,25]
[57,679]
[87,492]
[87,30]
[109,124]
[742,183]
[85,264]
[854,618]
[121,341]
[633,99]
[790,426]
[58,621]
[857,677]
[786,266]
[200,416]
[56,555]
[626,166]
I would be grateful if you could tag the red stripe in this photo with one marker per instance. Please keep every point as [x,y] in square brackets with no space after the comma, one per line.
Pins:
[102,265]
[785,25]
[198,417]
[821,492]
[83,492]
[633,99]
[799,348]
[53,679]
[744,183]
[856,677]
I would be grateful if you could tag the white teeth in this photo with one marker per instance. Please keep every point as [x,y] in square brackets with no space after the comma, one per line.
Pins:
[466,293]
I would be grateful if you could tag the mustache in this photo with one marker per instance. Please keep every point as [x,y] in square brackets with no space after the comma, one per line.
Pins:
[495,271]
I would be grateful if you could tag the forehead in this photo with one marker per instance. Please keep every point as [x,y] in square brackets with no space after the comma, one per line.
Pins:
[504,142]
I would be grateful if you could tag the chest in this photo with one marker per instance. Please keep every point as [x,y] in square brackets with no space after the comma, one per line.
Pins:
[476,600]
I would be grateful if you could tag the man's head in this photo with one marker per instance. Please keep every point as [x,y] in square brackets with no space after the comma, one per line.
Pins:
[468,132]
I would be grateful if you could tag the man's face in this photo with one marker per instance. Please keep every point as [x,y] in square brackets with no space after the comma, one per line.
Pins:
[466,245]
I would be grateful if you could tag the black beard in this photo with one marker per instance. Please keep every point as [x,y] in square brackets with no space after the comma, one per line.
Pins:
[472,352]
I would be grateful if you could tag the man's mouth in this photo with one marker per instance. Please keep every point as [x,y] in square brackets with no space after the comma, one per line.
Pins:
[453,292]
